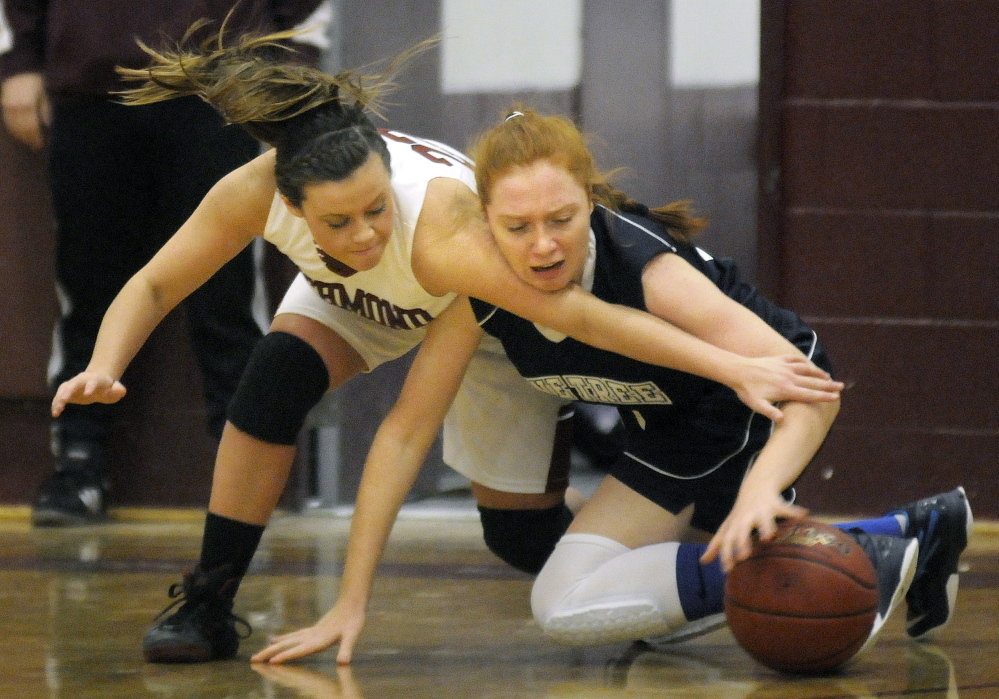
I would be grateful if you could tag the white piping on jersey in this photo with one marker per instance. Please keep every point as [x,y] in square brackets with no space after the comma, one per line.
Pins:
[639,227]
[705,255]
[491,314]
[745,440]
[811,349]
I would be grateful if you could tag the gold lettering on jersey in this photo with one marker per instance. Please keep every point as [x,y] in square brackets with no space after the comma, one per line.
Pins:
[598,390]
[372,307]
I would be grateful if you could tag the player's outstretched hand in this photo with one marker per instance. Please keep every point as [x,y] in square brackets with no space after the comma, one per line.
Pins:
[337,626]
[762,382]
[85,388]
[752,519]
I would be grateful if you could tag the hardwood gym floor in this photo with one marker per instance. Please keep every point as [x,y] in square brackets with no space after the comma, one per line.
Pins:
[448,620]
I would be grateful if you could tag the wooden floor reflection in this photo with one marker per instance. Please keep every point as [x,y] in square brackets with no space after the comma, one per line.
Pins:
[447,621]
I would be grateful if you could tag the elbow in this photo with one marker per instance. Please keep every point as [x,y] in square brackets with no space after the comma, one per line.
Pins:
[818,416]
[831,409]
[146,290]
[825,414]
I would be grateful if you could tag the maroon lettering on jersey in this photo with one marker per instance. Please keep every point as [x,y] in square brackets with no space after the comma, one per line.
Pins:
[372,307]
[431,150]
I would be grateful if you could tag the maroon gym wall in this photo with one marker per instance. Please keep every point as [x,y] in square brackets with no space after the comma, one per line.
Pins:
[879,222]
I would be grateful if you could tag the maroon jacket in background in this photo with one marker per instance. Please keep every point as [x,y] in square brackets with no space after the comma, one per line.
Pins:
[76,44]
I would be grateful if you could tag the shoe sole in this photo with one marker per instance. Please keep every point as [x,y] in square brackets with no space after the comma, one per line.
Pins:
[605,623]
[952,581]
[905,580]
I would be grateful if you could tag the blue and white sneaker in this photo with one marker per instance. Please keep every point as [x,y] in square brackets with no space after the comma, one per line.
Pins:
[894,561]
[942,524]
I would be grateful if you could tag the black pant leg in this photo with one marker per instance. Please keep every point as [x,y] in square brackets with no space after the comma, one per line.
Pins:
[99,192]
[196,150]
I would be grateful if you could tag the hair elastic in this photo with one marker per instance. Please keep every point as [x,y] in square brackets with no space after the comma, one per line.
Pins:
[511,115]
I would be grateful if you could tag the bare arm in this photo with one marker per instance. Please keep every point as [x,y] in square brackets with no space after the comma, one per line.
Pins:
[397,453]
[454,251]
[678,292]
[233,212]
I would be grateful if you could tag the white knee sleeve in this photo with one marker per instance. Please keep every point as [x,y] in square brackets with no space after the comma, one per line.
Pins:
[595,590]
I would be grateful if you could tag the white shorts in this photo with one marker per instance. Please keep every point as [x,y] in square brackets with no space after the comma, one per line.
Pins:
[500,431]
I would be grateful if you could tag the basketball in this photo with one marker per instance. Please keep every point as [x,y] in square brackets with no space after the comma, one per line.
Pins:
[805,601]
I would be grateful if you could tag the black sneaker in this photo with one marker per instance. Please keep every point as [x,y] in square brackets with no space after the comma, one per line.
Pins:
[942,524]
[77,492]
[203,628]
[894,562]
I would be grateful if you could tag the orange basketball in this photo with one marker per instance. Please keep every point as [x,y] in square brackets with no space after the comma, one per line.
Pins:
[805,601]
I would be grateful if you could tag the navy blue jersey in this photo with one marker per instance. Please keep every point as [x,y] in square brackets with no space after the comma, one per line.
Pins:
[678,424]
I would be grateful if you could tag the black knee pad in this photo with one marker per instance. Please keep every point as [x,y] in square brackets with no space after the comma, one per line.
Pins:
[524,538]
[283,380]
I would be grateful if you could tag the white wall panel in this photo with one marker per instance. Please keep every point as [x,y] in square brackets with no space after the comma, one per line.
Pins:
[510,46]
[714,43]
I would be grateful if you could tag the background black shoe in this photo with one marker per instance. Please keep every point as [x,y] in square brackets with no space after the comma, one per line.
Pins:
[77,492]
[203,628]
